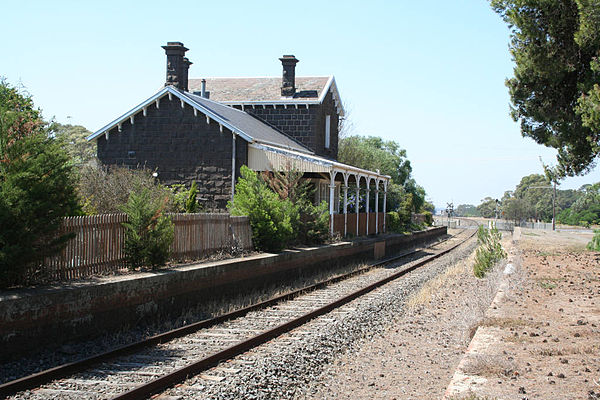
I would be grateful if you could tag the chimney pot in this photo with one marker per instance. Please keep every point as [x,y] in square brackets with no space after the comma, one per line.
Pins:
[186,67]
[288,82]
[203,88]
[177,66]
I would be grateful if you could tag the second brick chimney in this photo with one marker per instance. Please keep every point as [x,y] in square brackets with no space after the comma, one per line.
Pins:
[288,83]
[177,65]
[186,67]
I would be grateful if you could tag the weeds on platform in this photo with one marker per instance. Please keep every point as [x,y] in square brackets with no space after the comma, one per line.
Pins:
[489,251]
[594,245]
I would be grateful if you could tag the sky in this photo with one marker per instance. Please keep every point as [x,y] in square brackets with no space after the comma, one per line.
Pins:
[426,74]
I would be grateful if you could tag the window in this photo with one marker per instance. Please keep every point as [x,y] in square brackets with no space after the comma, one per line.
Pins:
[327,131]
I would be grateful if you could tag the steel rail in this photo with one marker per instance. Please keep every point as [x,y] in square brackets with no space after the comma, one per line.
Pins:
[168,380]
[61,371]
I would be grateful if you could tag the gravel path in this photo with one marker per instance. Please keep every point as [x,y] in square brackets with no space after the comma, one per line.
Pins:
[288,366]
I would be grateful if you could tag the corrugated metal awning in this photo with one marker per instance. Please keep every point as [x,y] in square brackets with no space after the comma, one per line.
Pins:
[267,158]
[262,157]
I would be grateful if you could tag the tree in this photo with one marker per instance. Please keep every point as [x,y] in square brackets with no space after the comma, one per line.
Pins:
[585,210]
[429,207]
[191,202]
[104,191]
[37,188]
[535,193]
[148,232]
[418,195]
[310,223]
[514,208]
[594,244]
[466,210]
[373,153]
[487,208]
[271,218]
[589,196]
[288,185]
[73,140]
[395,196]
[554,92]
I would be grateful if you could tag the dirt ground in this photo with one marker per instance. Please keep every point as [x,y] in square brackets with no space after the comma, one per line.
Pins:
[539,340]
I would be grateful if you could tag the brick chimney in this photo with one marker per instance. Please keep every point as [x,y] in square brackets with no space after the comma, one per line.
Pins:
[186,67]
[177,67]
[288,83]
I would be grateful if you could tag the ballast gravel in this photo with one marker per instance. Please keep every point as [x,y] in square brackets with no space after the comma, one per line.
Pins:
[286,366]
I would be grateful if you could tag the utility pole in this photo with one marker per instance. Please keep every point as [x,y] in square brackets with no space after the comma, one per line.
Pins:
[496,213]
[551,175]
[554,207]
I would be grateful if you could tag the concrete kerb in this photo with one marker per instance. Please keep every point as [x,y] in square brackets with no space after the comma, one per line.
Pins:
[462,382]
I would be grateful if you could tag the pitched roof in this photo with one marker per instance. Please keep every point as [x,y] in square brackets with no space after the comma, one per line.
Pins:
[237,121]
[258,130]
[261,89]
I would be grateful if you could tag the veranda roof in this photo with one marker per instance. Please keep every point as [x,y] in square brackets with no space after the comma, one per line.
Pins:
[263,157]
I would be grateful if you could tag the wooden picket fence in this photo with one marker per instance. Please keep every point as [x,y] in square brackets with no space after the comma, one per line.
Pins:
[99,240]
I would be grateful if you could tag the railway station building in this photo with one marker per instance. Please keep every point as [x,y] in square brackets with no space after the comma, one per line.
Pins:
[205,129]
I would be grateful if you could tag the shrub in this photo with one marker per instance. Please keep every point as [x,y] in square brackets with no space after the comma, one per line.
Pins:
[594,245]
[310,222]
[148,232]
[106,190]
[37,189]
[392,222]
[191,202]
[271,218]
[428,218]
[183,200]
[179,195]
[489,251]
[313,225]
[586,217]
[400,221]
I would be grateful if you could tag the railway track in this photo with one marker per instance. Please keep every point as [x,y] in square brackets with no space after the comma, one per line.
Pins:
[147,367]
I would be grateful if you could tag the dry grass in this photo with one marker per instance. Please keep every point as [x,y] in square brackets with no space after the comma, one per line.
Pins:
[547,282]
[513,285]
[475,304]
[551,352]
[569,350]
[504,322]
[515,339]
[471,396]
[548,285]
[489,366]
[428,292]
